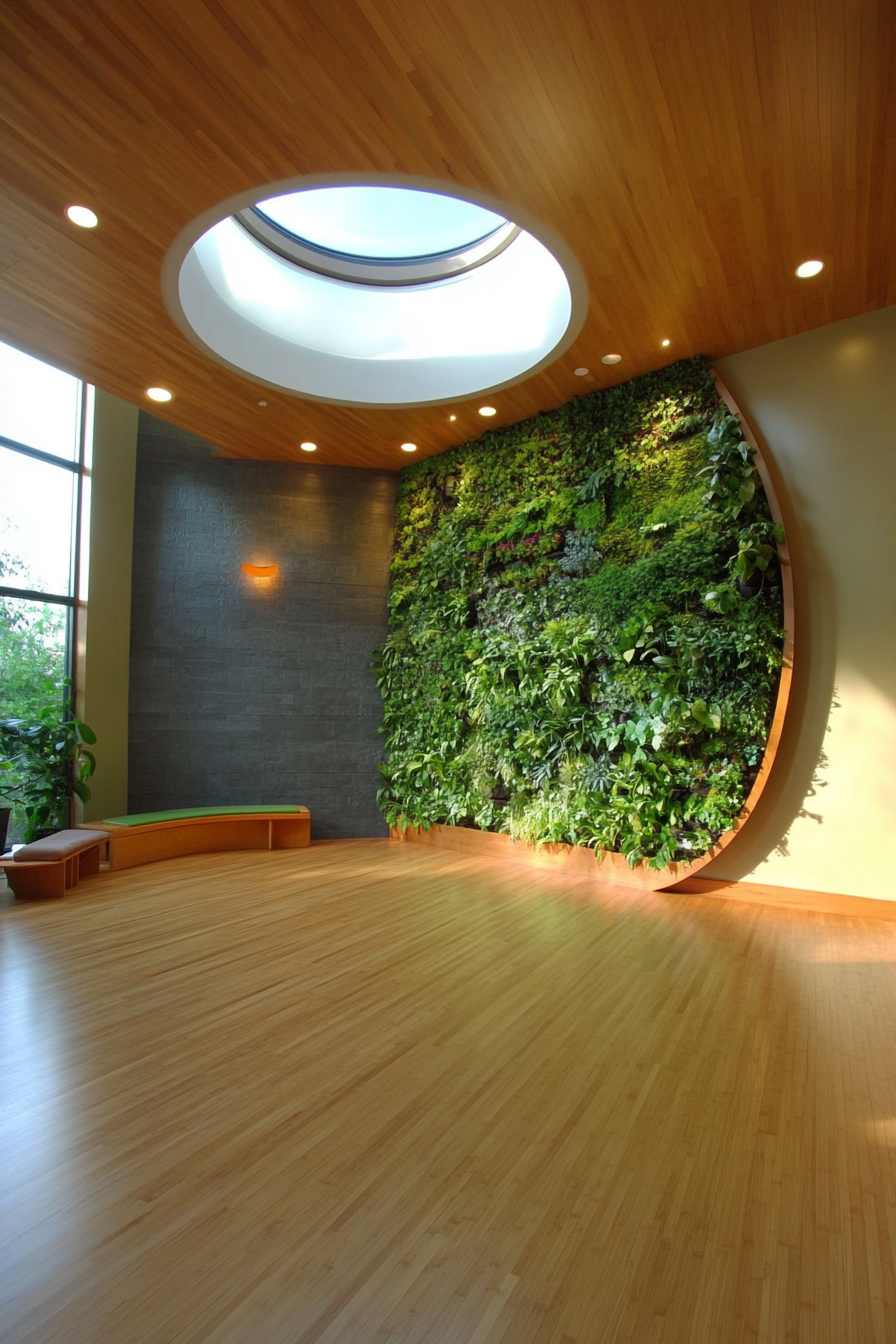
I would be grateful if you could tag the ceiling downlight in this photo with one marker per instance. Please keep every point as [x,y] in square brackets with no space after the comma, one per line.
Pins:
[83,216]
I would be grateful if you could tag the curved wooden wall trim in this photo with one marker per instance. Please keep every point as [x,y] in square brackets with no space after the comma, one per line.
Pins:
[613,867]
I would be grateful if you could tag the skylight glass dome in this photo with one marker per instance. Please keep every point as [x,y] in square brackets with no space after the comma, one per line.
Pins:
[387,223]
[377,294]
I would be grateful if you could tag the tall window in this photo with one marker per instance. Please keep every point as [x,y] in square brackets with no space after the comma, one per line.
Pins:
[43,421]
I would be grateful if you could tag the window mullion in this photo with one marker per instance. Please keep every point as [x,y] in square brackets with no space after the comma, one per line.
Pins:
[15,447]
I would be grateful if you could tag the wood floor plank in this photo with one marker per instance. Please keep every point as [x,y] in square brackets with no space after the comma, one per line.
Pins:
[370,1092]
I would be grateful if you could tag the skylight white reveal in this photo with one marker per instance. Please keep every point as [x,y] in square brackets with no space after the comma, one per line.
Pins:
[375,343]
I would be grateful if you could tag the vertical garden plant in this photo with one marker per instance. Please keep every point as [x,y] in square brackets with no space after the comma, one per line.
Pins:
[585,626]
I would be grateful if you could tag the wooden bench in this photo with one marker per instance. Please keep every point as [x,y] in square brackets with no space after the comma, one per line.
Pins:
[52,866]
[149,836]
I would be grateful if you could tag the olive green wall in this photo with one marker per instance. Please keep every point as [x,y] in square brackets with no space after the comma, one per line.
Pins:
[105,623]
[824,404]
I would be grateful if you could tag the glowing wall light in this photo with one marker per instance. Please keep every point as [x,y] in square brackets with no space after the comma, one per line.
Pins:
[261,571]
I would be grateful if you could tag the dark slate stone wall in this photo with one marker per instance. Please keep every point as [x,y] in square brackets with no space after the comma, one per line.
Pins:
[257,692]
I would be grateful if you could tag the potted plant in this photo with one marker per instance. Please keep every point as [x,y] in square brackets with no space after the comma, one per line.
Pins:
[47,759]
[8,799]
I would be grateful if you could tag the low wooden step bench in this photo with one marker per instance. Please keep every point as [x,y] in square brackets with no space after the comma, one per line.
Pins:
[149,836]
[52,866]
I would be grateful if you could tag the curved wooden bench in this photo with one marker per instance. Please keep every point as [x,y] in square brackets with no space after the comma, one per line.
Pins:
[54,865]
[149,836]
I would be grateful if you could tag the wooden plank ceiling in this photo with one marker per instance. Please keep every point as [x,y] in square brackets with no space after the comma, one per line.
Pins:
[691,152]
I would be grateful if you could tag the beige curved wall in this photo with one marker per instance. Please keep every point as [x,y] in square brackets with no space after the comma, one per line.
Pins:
[824,406]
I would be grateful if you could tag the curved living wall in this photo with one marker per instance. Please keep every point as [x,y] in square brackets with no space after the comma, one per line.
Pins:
[586,626]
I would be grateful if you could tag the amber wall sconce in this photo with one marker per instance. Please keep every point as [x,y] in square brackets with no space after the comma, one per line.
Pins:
[261,571]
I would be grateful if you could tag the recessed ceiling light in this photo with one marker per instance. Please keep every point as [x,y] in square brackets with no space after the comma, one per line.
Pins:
[487,410]
[80,215]
[409,447]
[308,447]
[452,417]
[809,268]
[611,359]
[159,394]
[666,342]
[580,373]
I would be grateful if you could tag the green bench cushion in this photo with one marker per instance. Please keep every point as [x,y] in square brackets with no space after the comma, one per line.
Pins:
[178,814]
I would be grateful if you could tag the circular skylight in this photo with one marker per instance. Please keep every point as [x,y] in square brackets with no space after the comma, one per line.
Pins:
[374,294]
[381,223]
[378,235]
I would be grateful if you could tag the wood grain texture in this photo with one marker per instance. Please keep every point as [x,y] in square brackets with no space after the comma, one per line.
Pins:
[788,898]
[571,860]
[363,1092]
[130,846]
[52,877]
[690,155]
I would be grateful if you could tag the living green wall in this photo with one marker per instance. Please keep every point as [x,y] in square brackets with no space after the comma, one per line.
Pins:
[585,626]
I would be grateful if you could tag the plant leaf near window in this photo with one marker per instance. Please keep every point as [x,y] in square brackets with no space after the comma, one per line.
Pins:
[44,760]
[586,629]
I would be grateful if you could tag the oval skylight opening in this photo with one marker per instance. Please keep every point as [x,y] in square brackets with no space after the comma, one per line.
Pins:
[376,295]
[380,223]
